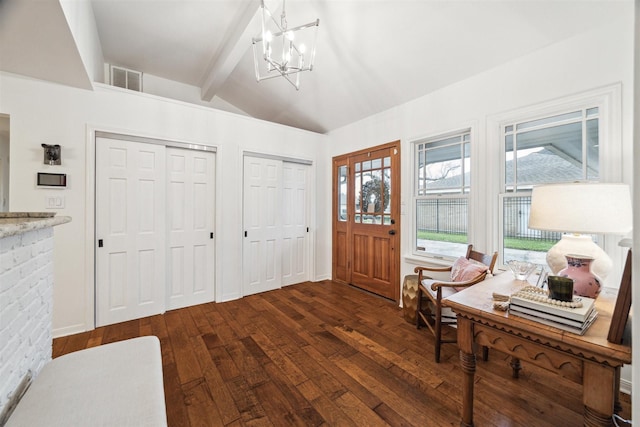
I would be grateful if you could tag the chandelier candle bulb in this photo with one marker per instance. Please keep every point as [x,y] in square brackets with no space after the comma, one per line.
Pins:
[292,61]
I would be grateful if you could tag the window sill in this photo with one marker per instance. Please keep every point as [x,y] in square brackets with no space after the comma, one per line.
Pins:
[427,260]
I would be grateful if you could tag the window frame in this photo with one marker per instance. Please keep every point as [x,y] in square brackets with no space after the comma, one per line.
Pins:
[461,194]
[608,100]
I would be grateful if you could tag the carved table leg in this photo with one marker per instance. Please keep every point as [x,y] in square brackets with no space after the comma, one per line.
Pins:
[598,393]
[617,407]
[515,366]
[468,364]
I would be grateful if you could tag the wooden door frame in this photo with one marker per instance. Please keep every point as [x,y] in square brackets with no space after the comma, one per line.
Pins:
[343,159]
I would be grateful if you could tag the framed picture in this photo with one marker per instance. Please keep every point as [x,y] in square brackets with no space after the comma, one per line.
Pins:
[623,304]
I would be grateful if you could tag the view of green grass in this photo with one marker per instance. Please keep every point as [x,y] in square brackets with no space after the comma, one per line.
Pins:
[442,237]
[509,242]
[528,244]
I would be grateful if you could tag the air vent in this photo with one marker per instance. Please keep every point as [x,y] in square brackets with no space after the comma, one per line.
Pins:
[127,79]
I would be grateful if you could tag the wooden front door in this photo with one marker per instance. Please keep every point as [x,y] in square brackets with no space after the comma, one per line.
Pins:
[366,219]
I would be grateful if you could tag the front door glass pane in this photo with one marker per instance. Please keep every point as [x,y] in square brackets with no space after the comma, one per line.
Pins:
[342,193]
[372,185]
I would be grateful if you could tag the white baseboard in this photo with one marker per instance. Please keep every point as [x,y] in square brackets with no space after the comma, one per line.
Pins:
[625,386]
[69,330]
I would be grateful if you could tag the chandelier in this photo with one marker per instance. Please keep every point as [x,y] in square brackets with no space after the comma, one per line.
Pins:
[286,51]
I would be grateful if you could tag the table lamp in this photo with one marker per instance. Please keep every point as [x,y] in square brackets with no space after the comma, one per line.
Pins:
[581,208]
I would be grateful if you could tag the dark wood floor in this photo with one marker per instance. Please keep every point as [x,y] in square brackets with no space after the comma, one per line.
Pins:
[328,354]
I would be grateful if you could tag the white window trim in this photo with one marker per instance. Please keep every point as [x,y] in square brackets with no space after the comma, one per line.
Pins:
[419,257]
[608,99]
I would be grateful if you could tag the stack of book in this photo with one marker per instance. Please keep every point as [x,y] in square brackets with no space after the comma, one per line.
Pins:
[576,316]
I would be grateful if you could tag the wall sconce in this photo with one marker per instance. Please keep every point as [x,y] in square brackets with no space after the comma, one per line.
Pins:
[52,154]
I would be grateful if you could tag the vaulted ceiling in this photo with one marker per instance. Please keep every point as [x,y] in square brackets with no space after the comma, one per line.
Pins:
[371,54]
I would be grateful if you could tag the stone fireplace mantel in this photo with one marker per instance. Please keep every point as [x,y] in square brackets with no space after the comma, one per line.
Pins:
[12,223]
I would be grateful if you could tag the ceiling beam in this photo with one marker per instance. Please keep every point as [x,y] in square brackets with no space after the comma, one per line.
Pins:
[236,43]
[247,24]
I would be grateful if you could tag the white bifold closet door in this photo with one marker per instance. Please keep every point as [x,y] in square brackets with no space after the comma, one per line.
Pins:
[154,229]
[295,230]
[275,217]
[190,216]
[130,230]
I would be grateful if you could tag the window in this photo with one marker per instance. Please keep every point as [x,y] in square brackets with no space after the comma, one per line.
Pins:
[441,194]
[559,148]
[373,191]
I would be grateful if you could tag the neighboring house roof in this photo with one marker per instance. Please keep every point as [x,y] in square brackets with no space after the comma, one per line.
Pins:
[535,168]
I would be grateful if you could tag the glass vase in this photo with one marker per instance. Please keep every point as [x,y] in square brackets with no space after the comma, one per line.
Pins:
[585,283]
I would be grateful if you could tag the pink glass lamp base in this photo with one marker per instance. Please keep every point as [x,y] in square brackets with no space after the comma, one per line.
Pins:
[585,283]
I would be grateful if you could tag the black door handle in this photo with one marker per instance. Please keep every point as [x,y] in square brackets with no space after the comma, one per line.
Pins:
[392,232]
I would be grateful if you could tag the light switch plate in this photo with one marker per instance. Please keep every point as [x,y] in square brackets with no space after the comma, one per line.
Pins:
[54,202]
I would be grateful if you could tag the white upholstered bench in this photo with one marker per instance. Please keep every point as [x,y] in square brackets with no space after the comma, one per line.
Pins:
[117,384]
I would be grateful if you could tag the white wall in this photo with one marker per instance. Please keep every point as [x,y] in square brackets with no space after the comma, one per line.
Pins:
[44,112]
[600,58]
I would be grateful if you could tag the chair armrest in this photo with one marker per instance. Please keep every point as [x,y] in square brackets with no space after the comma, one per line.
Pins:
[421,269]
[479,278]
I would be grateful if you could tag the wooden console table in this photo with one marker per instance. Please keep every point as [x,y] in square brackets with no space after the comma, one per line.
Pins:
[589,359]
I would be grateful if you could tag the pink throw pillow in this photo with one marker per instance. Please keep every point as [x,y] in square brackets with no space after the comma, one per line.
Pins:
[464,269]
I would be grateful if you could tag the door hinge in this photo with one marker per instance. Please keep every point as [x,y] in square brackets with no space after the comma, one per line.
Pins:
[307,229]
[100,243]
[211,235]
[245,234]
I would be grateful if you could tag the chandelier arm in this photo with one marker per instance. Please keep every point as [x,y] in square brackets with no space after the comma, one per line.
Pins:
[293,56]
[315,23]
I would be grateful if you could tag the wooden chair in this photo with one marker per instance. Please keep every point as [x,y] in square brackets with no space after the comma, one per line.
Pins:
[436,290]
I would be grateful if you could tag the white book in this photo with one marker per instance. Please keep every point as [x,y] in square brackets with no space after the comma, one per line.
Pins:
[578,313]
[560,319]
[574,330]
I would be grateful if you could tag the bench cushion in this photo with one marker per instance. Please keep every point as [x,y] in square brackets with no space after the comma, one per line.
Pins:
[117,384]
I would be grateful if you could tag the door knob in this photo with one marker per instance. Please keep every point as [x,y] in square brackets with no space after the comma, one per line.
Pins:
[392,232]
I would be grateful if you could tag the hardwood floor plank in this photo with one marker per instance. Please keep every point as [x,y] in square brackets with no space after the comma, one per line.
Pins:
[300,406]
[345,380]
[391,417]
[281,360]
[220,396]
[201,408]
[330,412]
[250,368]
[247,402]
[225,364]
[199,317]
[401,403]
[75,342]
[97,337]
[57,348]
[186,362]
[174,397]
[359,412]
[329,354]
[188,324]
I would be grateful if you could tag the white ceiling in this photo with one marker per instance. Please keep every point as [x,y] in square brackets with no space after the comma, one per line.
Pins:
[371,54]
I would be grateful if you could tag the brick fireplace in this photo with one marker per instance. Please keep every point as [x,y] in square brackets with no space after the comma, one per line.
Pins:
[26,302]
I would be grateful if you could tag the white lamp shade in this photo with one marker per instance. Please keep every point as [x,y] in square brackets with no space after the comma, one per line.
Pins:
[598,208]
